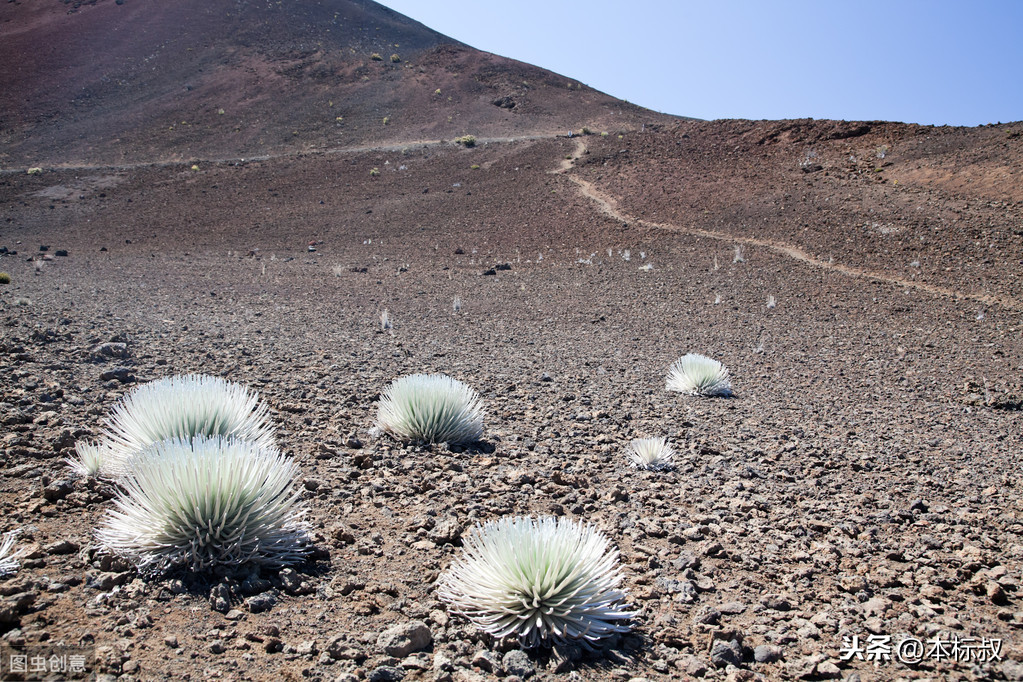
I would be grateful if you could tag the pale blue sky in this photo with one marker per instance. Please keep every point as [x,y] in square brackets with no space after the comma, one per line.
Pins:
[917,61]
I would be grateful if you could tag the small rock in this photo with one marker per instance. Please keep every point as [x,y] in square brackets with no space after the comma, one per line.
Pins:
[109,350]
[724,653]
[61,547]
[767,653]
[307,648]
[487,661]
[58,490]
[171,641]
[386,673]
[261,602]
[692,665]
[234,614]
[776,602]
[401,640]
[272,645]
[122,374]
[516,662]
[220,598]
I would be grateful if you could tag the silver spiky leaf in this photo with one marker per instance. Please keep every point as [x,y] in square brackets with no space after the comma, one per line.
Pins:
[651,453]
[9,559]
[697,374]
[545,581]
[431,408]
[177,407]
[207,502]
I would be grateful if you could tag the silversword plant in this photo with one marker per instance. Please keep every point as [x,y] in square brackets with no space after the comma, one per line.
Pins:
[545,581]
[651,453]
[207,502]
[176,407]
[8,559]
[431,408]
[697,374]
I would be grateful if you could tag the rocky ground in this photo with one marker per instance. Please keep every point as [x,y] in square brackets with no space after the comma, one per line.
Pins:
[864,481]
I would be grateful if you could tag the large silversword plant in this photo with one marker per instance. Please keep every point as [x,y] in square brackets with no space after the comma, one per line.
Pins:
[207,502]
[180,407]
[546,581]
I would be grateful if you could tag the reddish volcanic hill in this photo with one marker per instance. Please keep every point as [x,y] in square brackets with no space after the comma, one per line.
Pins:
[125,81]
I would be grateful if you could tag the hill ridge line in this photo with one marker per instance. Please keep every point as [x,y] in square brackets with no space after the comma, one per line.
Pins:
[608,206]
[394,147]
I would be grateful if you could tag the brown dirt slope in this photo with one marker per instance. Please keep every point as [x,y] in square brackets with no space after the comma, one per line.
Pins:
[104,82]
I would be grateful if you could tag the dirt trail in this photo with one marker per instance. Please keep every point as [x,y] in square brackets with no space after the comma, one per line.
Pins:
[607,205]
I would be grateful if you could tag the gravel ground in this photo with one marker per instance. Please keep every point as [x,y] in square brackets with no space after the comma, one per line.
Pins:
[862,483]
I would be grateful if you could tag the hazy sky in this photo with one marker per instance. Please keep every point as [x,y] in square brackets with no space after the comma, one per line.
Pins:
[920,61]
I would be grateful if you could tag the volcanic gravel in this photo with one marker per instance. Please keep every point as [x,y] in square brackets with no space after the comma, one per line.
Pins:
[863,481]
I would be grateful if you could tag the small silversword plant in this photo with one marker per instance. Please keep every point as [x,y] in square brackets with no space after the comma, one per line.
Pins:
[431,408]
[207,502]
[546,581]
[8,559]
[176,407]
[651,453]
[697,374]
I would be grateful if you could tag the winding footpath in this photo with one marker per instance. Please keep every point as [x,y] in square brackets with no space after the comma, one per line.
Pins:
[608,207]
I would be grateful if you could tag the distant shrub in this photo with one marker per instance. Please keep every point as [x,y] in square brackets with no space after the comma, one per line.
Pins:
[207,502]
[35,171]
[431,408]
[466,140]
[376,57]
[395,59]
[386,120]
[697,374]
[374,172]
[5,278]
[474,166]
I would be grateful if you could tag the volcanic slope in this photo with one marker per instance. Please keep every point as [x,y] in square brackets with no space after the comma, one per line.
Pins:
[114,83]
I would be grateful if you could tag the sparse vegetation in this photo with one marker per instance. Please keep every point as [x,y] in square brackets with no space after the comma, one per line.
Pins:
[5,278]
[376,57]
[545,581]
[466,140]
[374,172]
[696,374]
[206,502]
[651,453]
[431,408]
[395,59]
[35,171]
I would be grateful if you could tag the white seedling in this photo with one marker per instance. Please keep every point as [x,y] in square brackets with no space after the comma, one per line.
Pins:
[9,559]
[431,408]
[697,374]
[545,581]
[207,502]
[651,453]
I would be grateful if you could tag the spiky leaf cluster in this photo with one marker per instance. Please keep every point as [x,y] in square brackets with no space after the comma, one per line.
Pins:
[176,407]
[545,581]
[206,502]
[651,453]
[431,408]
[697,374]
